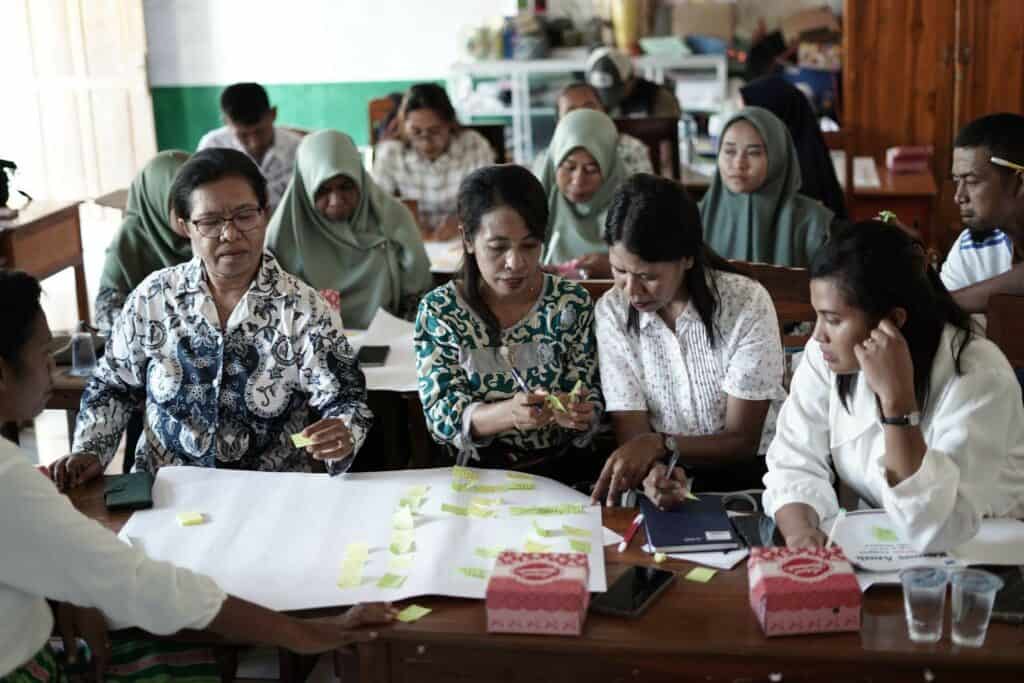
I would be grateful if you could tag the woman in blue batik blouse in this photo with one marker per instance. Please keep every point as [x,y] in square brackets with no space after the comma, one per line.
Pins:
[493,344]
[228,354]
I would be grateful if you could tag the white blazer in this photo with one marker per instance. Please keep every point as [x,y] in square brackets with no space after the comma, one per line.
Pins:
[973,426]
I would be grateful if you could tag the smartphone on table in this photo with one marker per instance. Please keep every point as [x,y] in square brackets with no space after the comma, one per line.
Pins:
[373,356]
[633,592]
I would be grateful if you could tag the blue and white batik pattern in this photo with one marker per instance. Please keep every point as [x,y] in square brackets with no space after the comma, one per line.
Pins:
[226,399]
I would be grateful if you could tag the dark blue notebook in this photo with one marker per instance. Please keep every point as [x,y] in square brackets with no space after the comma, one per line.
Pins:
[695,526]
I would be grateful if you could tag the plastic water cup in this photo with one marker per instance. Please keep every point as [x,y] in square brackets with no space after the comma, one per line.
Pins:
[83,355]
[974,591]
[924,601]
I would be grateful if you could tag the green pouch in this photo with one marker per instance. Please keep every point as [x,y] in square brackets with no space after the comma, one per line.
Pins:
[129,491]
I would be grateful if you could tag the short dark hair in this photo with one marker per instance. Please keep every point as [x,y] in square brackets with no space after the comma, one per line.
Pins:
[655,219]
[210,165]
[579,85]
[245,103]
[878,267]
[481,192]
[20,294]
[1001,134]
[428,96]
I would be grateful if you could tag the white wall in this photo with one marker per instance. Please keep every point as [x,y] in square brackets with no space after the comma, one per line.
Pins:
[211,42]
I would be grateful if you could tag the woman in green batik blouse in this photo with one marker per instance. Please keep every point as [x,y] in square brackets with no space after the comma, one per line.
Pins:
[494,344]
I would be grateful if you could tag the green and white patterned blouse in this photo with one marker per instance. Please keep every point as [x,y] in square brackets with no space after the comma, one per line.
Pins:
[460,368]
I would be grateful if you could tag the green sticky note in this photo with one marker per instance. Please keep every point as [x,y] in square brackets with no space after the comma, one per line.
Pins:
[459,485]
[690,496]
[402,519]
[579,545]
[577,388]
[350,580]
[401,542]
[358,549]
[480,511]
[488,488]
[391,581]
[541,531]
[484,502]
[555,403]
[575,531]
[412,613]
[571,509]
[417,491]
[534,547]
[454,509]
[400,562]
[190,518]
[352,565]
[464,473]
[301,441]
[519,475]
[700,574]
[517,511]
[488,553]
[883,535]
[473,572]
[521,486]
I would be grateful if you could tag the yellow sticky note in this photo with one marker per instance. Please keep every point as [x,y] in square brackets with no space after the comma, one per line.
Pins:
[690,496]
[480,511]
[454,509]
[350,580]
[190,518]
[483,501]
[700,574]
[554,402]
[464,473]
[488,553]
[522,486]
[883,535]
[460,485]
[473,572]
[519,475]
[402,519]
[301,441]
[660,557]
[412,502]
[488,488]
[391,581]
[577,388]
[417,491]
[352,565]
[535,547]
[579,546]
[401,542]
[357,549]
[575,531]
[400,562]
[541,531]
[412,613]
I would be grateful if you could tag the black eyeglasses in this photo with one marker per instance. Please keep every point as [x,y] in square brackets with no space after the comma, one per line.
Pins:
[244,220]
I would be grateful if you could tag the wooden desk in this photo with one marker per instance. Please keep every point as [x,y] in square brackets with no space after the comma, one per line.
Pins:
[117,199]
[46,238]
[694,632]
[911,196]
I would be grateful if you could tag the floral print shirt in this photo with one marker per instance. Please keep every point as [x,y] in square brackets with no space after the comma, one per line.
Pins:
[226,398]
[460,367]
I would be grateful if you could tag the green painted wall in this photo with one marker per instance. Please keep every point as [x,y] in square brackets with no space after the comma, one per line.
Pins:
[183,113]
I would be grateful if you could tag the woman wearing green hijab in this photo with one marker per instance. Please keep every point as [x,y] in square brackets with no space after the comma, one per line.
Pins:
[146,241]
[337,230]
[581,177]
[753,210]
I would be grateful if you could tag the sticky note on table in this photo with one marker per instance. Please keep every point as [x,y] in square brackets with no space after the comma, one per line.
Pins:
[460,485]
[412,613]
[417,491]
[350,580]
[480,511]
[883,535]
[454,509]
[391,581]
[488,488]
[190,518]
[488,553]
[579,545]
[400,562]
[519,475]
[357,549]
[484,501]
[464,473]
[700,574]
[401,542]
[541,531]
[575,531]
[535,547]
[660,557]
[473,572]
[522,486]
[301,441]
[402,519]
[413,503]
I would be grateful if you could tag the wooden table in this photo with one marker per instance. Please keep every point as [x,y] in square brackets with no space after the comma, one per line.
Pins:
[694,632]
[45,238]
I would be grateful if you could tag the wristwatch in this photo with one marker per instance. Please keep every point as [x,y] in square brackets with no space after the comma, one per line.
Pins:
[909,420]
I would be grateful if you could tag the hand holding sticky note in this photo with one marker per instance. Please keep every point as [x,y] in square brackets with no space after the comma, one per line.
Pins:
[301,441]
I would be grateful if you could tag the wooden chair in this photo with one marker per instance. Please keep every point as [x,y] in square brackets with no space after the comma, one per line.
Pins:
[382,107]
[1006,326]
[597,288]
[379,109]
[790,289]
[661,135]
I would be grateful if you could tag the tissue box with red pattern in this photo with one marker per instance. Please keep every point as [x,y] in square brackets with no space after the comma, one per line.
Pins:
[543,593]
[811,590]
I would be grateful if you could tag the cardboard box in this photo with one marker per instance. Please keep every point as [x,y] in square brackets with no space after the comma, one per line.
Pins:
[811,590]
[540,593]
[704,19]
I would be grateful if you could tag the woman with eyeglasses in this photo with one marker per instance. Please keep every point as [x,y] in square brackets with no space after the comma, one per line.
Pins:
[338,231]
[228,354]
[430,159]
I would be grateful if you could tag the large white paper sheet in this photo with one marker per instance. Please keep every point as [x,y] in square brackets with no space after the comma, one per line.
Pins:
[871,542]
[278,539]
[399,371]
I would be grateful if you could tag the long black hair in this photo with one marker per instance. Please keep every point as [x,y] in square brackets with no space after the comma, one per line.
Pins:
[655,219]
[481,192]
[877,267]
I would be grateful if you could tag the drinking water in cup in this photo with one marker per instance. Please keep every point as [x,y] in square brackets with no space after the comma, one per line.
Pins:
[924,601]
[974,591]
[83,352]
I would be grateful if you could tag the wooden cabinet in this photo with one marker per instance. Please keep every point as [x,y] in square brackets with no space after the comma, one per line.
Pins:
[916,71]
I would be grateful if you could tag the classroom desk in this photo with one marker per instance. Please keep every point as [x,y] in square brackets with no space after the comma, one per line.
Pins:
[694,632]
[45,238]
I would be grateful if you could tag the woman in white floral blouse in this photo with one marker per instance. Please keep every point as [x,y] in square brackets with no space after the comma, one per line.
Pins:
[691,357]
[229,354]
[492,346]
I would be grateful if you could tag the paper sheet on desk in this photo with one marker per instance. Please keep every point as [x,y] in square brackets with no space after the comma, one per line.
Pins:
[716,559]
[399,372]
[444,256]
[279,539]
[870,541]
